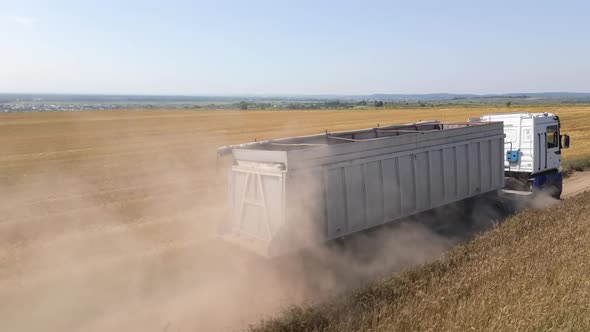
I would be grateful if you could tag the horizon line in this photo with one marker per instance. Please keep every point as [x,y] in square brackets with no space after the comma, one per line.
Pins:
[283,95]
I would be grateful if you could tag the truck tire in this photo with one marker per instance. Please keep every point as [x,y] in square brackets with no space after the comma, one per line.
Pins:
[555,192]
[550,183]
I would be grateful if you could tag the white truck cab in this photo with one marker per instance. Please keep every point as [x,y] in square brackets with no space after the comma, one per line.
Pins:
[532,148]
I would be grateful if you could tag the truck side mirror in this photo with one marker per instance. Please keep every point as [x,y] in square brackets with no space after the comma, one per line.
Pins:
[566,141]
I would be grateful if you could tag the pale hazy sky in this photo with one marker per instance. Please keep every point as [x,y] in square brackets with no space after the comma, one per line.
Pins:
[294,47]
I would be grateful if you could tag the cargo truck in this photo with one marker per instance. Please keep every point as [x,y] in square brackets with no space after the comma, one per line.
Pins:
[291,193]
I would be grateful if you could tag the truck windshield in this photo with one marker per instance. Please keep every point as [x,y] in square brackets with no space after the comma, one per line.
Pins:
[552,137]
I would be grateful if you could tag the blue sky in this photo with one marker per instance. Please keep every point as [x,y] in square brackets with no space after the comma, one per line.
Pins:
[294,47]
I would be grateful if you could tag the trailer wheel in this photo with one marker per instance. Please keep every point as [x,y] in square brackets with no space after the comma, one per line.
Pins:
[488,210]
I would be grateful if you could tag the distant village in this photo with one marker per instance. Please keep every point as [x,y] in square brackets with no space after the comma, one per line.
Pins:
[39,107]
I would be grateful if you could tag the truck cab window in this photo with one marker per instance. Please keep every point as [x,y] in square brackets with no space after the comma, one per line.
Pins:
[552,137]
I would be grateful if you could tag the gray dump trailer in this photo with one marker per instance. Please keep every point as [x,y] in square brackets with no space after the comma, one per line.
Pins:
[287,194]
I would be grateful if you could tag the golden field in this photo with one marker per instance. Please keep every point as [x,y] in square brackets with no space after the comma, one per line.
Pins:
[104,214]
[528,274]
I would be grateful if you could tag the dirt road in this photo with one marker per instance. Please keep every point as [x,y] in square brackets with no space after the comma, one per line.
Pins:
[576,184]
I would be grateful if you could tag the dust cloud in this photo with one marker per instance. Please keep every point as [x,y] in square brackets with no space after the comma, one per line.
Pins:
[81,256]
[109,275]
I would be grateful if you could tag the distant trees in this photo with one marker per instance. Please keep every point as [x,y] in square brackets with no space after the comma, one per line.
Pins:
[333,104]
[508,104]
[304,105]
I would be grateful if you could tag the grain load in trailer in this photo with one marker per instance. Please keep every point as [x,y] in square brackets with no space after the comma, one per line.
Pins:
[291,193]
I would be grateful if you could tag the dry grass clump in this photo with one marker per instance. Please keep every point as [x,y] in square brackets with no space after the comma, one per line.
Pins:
[530,273]
[570,166]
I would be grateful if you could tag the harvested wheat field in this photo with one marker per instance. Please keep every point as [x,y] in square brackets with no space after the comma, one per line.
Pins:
[108,219]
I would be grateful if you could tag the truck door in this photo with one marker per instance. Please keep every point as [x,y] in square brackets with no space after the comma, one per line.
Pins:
[540,150]
[553,154]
